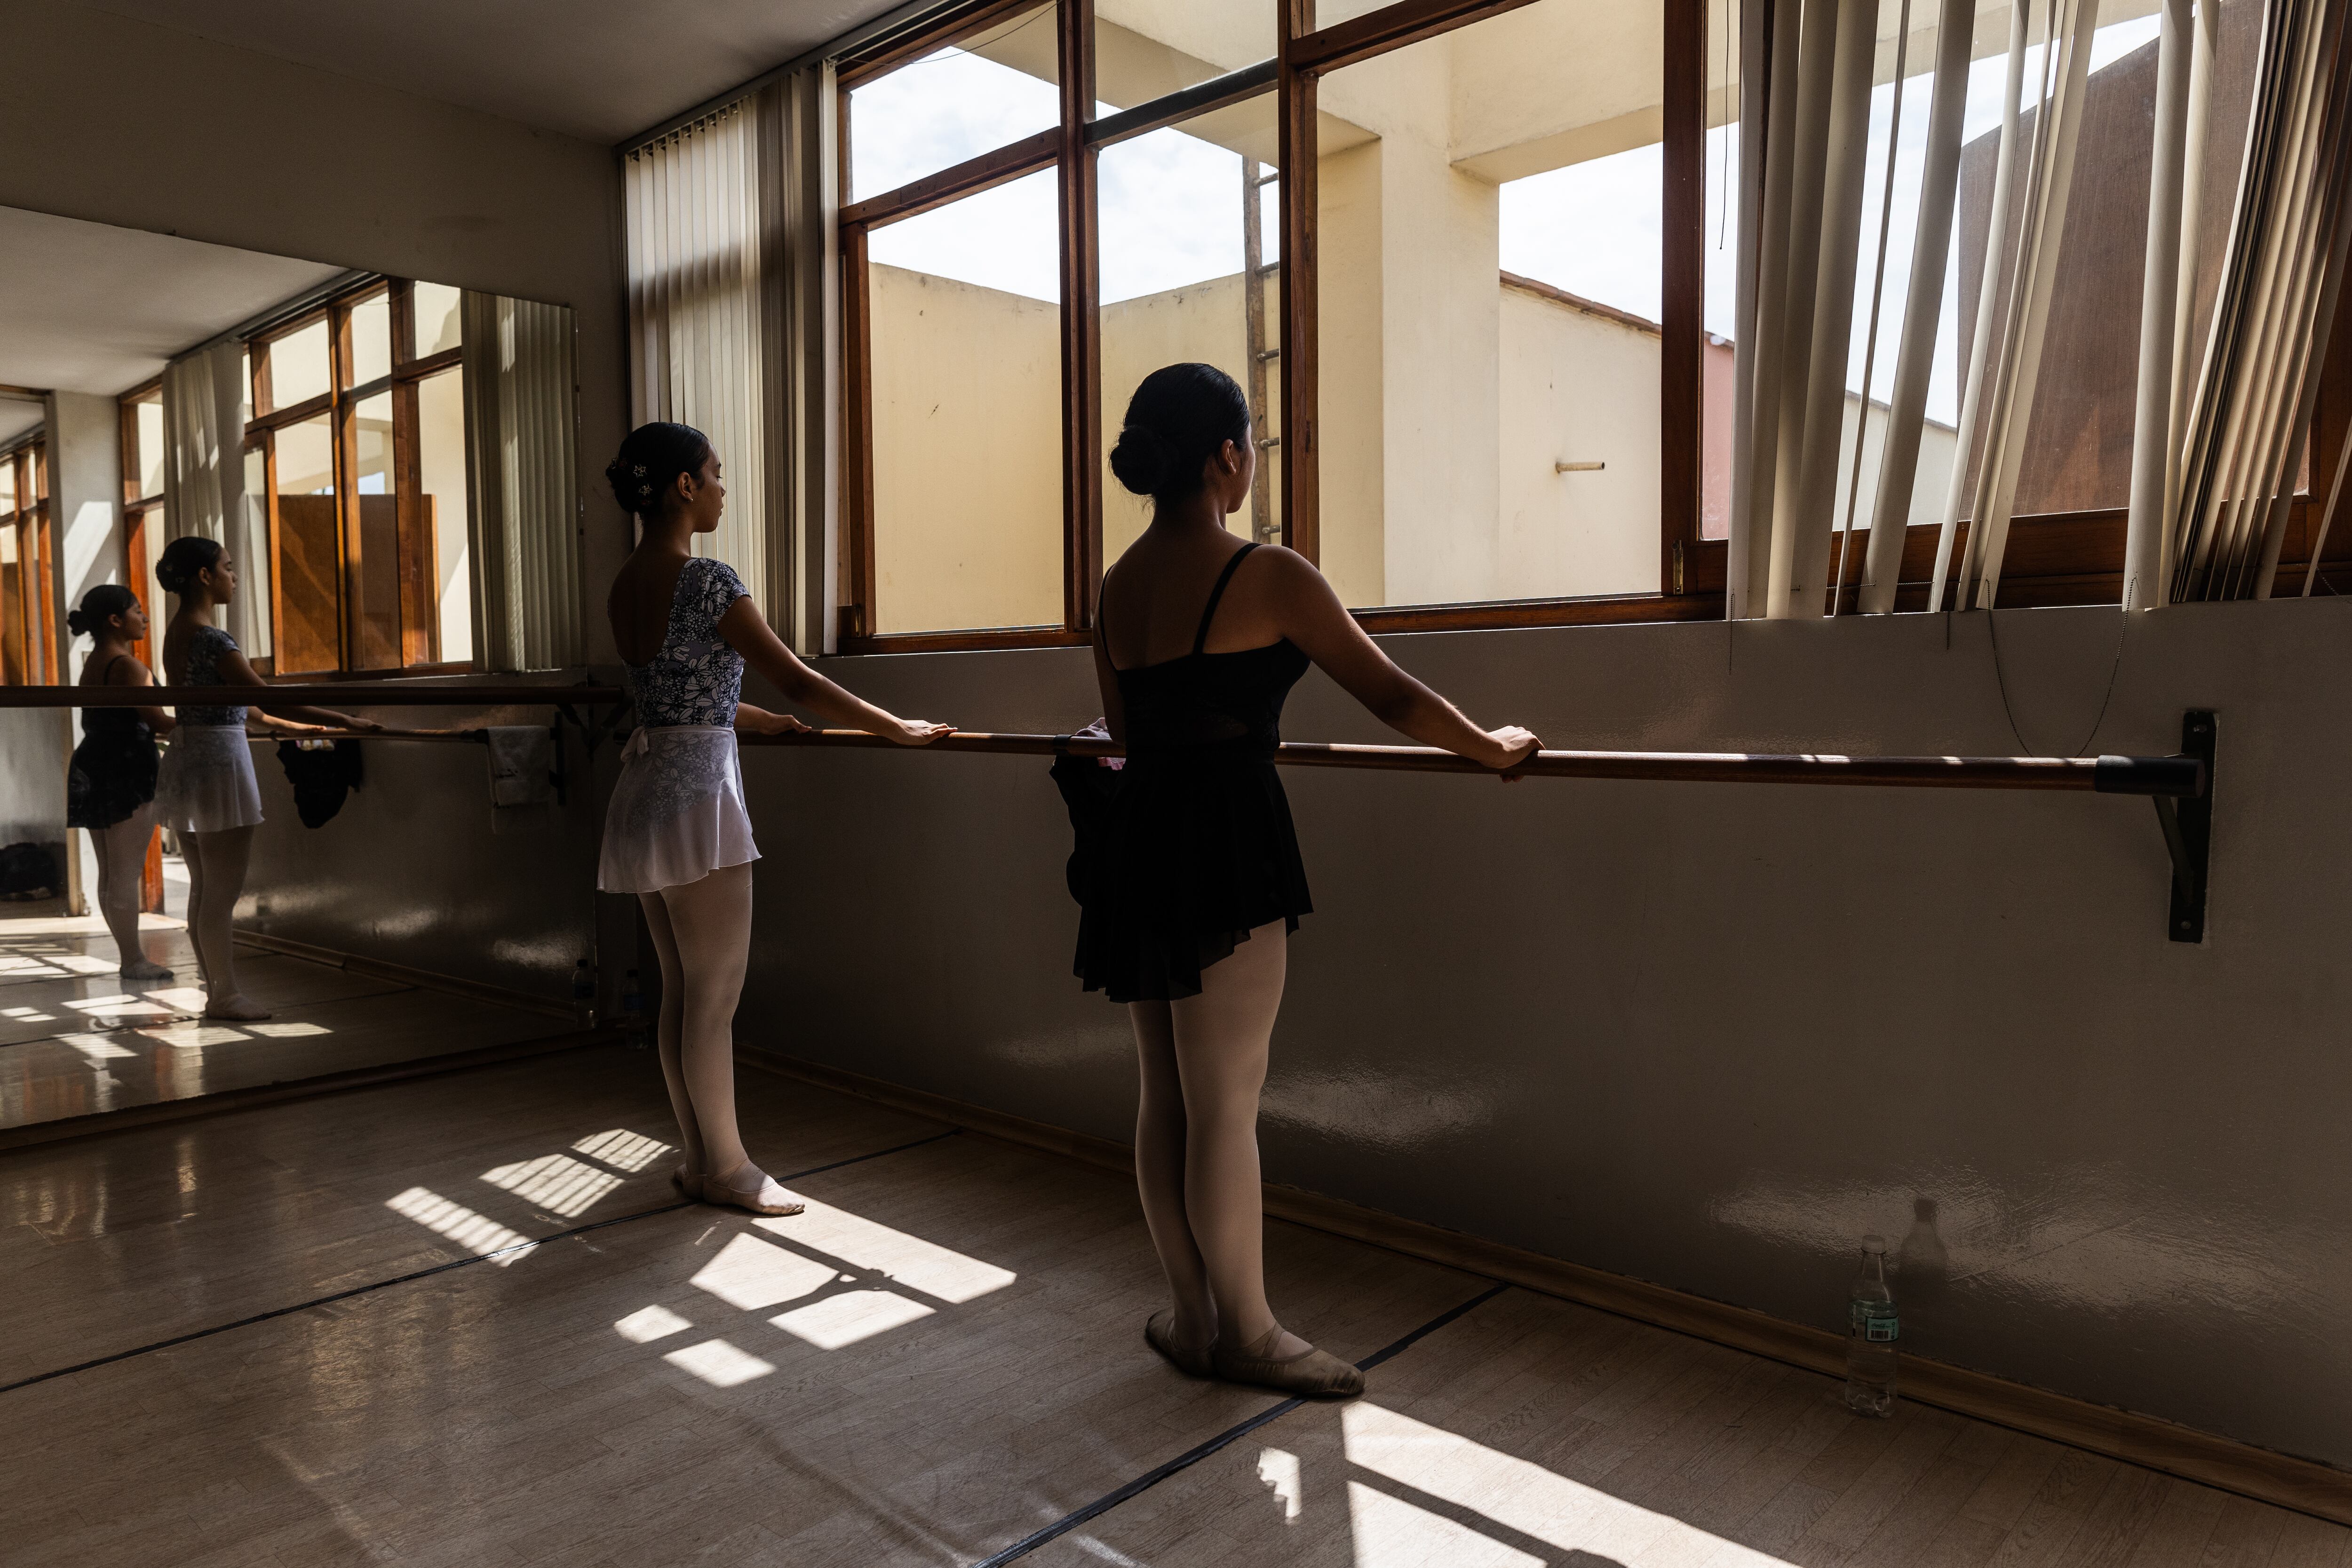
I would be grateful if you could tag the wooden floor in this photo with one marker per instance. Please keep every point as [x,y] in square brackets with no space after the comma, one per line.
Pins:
[464,1321]
[74,1041]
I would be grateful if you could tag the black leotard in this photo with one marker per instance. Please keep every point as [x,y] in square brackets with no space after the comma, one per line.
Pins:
[1194,849]
[112,773]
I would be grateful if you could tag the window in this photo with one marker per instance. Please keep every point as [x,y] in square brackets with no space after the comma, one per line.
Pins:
[357,452]
[29,640]
[1460,388]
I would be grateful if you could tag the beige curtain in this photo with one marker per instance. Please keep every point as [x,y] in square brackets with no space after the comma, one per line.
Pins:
[520,461]
[203,474]
[705,271]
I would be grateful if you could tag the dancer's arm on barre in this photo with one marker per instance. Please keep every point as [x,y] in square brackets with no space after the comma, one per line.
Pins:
[748,633]
[286,719]
[1312,618]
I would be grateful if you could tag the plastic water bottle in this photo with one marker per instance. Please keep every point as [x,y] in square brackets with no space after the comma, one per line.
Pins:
[584,992]
[1872,1330]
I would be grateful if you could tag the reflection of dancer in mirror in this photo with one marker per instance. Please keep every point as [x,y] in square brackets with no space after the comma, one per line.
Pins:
[206,791]
[677,833]
[110,785]
[1194,880]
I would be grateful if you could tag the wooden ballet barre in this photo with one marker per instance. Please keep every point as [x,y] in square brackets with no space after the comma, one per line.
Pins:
[2182,777]
[333,694]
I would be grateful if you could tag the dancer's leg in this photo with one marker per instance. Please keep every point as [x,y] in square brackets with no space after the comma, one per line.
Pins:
[121,866]
[217,863]
[1221,1042]
[710,922]
[1160,1131]
[668,1032]
[191,856]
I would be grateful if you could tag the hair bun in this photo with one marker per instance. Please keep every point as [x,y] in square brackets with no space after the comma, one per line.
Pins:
[78,623]
[1142,460]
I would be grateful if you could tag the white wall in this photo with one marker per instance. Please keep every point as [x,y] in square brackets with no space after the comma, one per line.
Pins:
[1710,1035]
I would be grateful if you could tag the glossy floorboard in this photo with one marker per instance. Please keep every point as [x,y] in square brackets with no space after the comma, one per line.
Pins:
[940,1359]
[74,1041]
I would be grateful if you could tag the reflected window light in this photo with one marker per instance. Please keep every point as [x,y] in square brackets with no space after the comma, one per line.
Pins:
[112,1006]
[185,998]
[95,1047]
[650,1324]
[556,1182]
[477,1234]
[1391,1532]
[29,1016]
[751,1273]
[854,1315]
[1521,1496]
[718,1363]
[622,1149]
[289,1031]
[1278,1469]
[191,1035]
[926,1267]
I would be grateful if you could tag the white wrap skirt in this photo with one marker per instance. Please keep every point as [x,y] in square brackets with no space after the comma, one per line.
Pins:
[207,784]
[677,813]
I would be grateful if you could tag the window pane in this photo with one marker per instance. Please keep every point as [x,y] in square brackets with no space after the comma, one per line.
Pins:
[434,307]
[8,485]
[1722,287]
[1149,48]
[995,86]
[967,414]
[253,560]
[372,574]
[371,340]
[298,366]
[308,635]
[147,420]
[1191,217]
[441,475]
[1489,230]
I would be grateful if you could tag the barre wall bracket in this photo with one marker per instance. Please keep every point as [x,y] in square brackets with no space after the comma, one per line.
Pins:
[2187,823]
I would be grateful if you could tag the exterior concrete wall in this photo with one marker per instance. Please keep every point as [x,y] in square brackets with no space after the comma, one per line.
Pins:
[1710,1035]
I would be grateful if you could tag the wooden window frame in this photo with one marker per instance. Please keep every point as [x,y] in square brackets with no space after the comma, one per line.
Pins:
[2053,559]
[419,630]
[34,638]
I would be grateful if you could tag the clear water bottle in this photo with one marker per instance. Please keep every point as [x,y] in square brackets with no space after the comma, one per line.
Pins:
[584,992]
[1871,1332]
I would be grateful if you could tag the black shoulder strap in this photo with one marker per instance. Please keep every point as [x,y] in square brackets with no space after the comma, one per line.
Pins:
[1232,563]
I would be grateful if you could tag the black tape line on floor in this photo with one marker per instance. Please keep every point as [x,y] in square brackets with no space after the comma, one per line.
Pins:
[518,1247]
[1231,1435]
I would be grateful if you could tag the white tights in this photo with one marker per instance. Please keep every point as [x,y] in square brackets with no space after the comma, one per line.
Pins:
[1204,1062]
[702,932]
[121,868]
[217,864]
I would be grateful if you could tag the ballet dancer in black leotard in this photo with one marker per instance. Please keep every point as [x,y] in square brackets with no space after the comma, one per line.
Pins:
[1194,880]
[110,782]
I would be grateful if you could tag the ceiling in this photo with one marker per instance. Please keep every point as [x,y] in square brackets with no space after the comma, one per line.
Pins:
[90,308]
[602,69]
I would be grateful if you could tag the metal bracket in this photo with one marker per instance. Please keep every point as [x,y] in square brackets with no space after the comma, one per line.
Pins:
[2188,825]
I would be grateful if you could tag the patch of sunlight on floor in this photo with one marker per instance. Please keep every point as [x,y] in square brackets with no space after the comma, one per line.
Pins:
[622,1149]
[192,1033]
[116,1005]
[289,1031]
[1278,1469]
[29,1016]
[477,1234]
[181,998]
[556,1182]
[95,1048]
[650,1324]
[1392,1534]
[1519,1496]
[718,1363]
[910,1260]
[751,1273]
[852,1316]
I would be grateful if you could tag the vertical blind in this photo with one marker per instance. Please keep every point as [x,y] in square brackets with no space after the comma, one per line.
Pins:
[520,450]
[705,275]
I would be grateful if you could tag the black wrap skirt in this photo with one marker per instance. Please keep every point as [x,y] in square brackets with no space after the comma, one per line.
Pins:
[112,773]
[1179,857]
